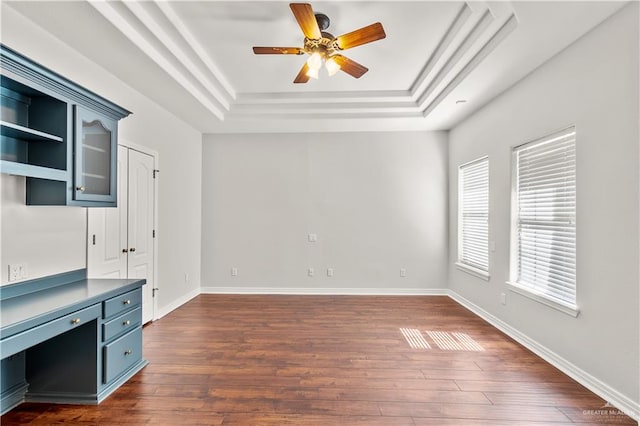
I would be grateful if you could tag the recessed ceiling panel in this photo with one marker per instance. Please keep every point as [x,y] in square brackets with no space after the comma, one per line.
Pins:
[228,30]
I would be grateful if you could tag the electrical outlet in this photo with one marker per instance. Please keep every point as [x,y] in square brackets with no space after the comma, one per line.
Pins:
[503,298]
[186,277]
[14,272]
[329,272]
[234,272]
[313,238]
[403,272]
[311,272]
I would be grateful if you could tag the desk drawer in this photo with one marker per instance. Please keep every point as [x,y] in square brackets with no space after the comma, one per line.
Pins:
[121,303]
[122,354]
[125,322]
[26,339]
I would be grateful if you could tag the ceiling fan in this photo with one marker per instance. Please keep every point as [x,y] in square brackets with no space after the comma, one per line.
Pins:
[322,46]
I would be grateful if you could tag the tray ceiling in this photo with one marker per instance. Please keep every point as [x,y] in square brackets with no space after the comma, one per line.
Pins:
[439,62]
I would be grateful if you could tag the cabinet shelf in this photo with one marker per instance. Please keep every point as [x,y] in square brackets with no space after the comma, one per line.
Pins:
[22,169]
[20,132]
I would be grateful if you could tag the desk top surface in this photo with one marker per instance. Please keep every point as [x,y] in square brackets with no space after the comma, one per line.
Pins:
[21,313]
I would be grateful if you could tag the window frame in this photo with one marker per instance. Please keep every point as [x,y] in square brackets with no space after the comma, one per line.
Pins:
[533,292]
[460,263]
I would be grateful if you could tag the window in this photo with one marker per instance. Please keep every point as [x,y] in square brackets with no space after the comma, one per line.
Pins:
[543,264]
[473,217]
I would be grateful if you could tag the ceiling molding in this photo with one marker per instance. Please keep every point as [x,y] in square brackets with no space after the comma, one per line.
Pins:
[198,49]
[507,27]
[161,34]
[117,18]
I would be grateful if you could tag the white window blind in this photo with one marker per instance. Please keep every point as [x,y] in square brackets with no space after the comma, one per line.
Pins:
[473,215]
[545,213]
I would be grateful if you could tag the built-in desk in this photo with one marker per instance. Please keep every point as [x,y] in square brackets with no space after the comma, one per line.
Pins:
[69,339]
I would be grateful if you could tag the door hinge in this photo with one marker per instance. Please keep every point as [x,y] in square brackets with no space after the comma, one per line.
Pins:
[153,291]
[94,239]
[153,233]
[155,171]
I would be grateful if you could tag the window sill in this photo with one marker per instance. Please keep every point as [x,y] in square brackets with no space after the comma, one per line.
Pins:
[473,271]
[526,292]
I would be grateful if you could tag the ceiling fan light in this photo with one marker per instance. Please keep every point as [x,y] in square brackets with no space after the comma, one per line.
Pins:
[332,66]
[315,61]
[313,73]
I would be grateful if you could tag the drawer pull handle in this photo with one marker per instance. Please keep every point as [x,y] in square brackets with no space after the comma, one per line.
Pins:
[125,323]
[75,321]
[126,302]
[132,249]
[124,250]
[128,352]
[80,188]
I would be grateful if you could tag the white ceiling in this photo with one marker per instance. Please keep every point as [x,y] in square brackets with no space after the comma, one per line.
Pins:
[195,58]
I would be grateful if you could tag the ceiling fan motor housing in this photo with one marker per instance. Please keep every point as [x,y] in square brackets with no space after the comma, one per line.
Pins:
[323,21]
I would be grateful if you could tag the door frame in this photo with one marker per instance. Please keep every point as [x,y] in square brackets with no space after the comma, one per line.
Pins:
[156,166]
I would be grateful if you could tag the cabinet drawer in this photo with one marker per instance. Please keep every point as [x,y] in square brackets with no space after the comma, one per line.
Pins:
[21,341]
[121,303]
[122,354]
[125,322]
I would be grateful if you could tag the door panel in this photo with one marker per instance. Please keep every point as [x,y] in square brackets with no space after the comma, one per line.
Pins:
[124,235]
[140,226]
[105,258]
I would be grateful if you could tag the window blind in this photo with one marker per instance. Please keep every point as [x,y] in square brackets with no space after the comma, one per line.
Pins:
[473,244]
[546,216]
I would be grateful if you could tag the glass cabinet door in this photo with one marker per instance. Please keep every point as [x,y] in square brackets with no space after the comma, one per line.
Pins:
[95,151]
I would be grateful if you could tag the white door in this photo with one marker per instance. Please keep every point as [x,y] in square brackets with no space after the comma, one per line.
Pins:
[140,226]
[107,248]
[120,241]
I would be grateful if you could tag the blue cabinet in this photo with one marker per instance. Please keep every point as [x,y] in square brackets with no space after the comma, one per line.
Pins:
[68,340]
[62,137]
[96,147]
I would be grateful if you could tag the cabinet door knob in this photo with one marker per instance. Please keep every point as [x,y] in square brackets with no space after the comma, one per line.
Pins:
[124,250]
[75,321]
[126,302]
[80,188]
[125,323]
[132,249]
[128,352]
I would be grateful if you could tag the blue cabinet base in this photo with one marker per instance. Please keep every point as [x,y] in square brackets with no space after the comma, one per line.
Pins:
[53,347]
[58,398]
[13,397]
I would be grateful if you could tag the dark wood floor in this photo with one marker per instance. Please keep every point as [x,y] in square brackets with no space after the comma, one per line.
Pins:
[334,360]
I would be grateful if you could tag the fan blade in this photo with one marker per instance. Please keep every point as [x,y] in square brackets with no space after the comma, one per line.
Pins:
[277,50]
[364,35]
[349,66]
[302,76]
[306,19]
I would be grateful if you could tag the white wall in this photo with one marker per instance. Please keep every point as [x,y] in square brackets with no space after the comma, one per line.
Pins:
[594,85]
[377,202]
[53,239]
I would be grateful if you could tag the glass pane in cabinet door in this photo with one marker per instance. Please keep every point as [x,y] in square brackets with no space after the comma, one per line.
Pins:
[96,158]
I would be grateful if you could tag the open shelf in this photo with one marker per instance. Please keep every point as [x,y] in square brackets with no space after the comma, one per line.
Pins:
[22,169]
[24,133]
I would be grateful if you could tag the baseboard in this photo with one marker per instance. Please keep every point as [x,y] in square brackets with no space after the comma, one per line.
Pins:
[613,397]
[177,303]
[12,397]
[353,291]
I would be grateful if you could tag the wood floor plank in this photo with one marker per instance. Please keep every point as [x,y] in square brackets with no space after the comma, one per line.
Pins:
[330,360]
